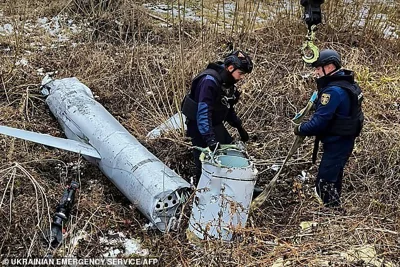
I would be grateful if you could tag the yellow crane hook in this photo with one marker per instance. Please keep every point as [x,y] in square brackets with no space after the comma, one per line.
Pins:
[309,45]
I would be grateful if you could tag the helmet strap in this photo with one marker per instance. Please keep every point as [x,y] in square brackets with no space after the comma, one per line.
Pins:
[323,70]
[234,68]
[330,73]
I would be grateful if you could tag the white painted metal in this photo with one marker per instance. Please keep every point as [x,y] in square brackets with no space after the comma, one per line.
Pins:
[155,189]
[45,139]
[150,185]
[173,123]
[223,195]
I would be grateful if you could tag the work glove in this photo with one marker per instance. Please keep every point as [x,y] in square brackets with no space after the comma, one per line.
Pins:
[296,129]
[214,146]
[244,136]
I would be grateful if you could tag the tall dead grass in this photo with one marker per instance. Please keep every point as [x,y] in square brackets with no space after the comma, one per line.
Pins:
[140,71]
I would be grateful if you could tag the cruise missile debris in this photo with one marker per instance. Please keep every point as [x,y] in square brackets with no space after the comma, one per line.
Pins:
[148,183]
[224,193]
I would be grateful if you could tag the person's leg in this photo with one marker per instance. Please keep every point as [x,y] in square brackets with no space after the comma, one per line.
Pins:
[330,173]
[197,141]
[197,162]
[221,135]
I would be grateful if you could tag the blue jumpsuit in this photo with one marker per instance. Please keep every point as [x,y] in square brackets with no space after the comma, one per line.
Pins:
[333,102]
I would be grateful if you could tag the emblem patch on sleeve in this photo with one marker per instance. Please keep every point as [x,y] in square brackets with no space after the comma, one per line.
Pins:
[325,99]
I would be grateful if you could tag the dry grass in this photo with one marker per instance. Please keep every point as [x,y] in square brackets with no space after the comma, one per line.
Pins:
[139,71]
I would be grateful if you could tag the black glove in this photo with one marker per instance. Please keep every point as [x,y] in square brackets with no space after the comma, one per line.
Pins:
[296,129]
[244,136]
[214,146]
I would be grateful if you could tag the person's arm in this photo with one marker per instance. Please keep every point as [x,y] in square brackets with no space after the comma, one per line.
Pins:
[207,94]
[326,108]
[233,119]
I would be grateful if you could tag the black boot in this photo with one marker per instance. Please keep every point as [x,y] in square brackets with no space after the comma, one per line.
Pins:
[329,193]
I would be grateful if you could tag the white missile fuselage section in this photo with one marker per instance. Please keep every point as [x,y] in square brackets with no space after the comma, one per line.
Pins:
[148,183]
[222,200]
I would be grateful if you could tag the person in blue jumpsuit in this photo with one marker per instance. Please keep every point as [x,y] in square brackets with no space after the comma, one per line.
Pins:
[337,121]
[211,102]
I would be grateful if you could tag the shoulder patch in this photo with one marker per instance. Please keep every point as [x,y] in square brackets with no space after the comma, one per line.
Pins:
[325,99]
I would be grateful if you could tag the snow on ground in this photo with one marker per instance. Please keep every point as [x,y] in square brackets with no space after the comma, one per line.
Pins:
[41,34]
[118,244]
[194,14]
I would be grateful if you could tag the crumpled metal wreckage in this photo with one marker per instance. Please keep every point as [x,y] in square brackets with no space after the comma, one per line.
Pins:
[221,205]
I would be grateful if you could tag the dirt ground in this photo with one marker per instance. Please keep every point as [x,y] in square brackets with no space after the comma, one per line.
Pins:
[139,65]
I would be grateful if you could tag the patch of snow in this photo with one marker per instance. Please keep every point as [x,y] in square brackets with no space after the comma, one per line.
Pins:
[79,236]
[53,27]
[161,8]
[23,62]
[228,9]
[6,49]
[260,20]
[275,167]
[303,176]
[59,27]
[380,16]
[62,38]
[6,29]
[390,32]
[74,29]
[188,12]
[130,246]
[43,20]
[40,71]
[363,13]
